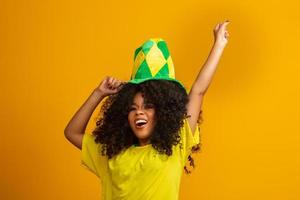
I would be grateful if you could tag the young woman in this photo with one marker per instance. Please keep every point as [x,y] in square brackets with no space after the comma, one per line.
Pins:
[147,128]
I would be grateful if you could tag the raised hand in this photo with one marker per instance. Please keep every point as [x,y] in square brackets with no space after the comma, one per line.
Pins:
[110,85]
[221,34]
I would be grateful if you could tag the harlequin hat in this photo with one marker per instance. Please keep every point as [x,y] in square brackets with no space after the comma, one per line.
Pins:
[152,61]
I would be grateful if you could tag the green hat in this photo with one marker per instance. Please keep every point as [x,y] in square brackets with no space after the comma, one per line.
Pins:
[152,61]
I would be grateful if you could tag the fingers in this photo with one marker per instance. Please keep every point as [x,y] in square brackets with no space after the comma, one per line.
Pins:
[226,34]
[224,24]
[114,83]
[221,26]
[110,80]
[217,27]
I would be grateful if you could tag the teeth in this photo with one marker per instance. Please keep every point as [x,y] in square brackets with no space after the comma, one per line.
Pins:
[140,121]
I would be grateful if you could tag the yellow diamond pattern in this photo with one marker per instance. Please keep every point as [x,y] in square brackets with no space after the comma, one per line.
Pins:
[155,59]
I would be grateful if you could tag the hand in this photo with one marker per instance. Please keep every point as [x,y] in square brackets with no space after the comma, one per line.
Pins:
[110,85]
[221,34]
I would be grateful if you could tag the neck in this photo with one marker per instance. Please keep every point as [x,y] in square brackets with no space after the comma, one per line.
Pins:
[143,143]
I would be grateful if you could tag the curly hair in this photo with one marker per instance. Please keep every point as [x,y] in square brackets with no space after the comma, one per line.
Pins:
[169,99]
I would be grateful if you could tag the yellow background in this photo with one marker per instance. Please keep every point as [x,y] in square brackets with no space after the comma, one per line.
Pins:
[54,53]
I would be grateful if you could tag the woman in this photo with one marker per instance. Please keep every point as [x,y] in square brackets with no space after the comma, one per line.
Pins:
[148,126]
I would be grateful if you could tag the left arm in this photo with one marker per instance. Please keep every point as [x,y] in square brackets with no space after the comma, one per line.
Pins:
[205,75]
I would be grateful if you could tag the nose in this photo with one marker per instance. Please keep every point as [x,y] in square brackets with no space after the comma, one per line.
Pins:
[139,111]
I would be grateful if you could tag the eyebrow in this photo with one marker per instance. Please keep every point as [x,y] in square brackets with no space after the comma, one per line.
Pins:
[144,103]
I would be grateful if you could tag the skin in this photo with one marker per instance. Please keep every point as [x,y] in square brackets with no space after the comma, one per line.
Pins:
[140,110]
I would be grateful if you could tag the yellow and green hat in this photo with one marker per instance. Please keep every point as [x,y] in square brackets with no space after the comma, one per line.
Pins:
[152,61]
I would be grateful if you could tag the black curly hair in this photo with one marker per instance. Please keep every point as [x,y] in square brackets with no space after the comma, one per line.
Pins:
[169,99]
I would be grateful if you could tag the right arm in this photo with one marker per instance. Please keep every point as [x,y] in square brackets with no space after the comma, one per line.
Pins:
[75,129]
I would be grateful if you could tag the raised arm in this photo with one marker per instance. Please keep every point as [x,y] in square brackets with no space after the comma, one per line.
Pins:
[205,75]
[75,129]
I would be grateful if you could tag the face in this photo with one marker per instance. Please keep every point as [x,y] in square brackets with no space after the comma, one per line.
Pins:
[141,118]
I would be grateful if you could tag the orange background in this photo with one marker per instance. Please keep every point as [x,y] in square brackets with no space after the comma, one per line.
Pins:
[54,53]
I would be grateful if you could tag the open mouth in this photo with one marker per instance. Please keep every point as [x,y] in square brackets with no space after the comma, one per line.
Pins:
[140,123]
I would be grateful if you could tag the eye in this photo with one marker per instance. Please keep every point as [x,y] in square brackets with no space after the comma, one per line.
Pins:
[131,108]
[149,105]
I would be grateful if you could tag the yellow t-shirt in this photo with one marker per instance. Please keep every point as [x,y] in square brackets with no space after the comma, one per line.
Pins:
[139,172]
